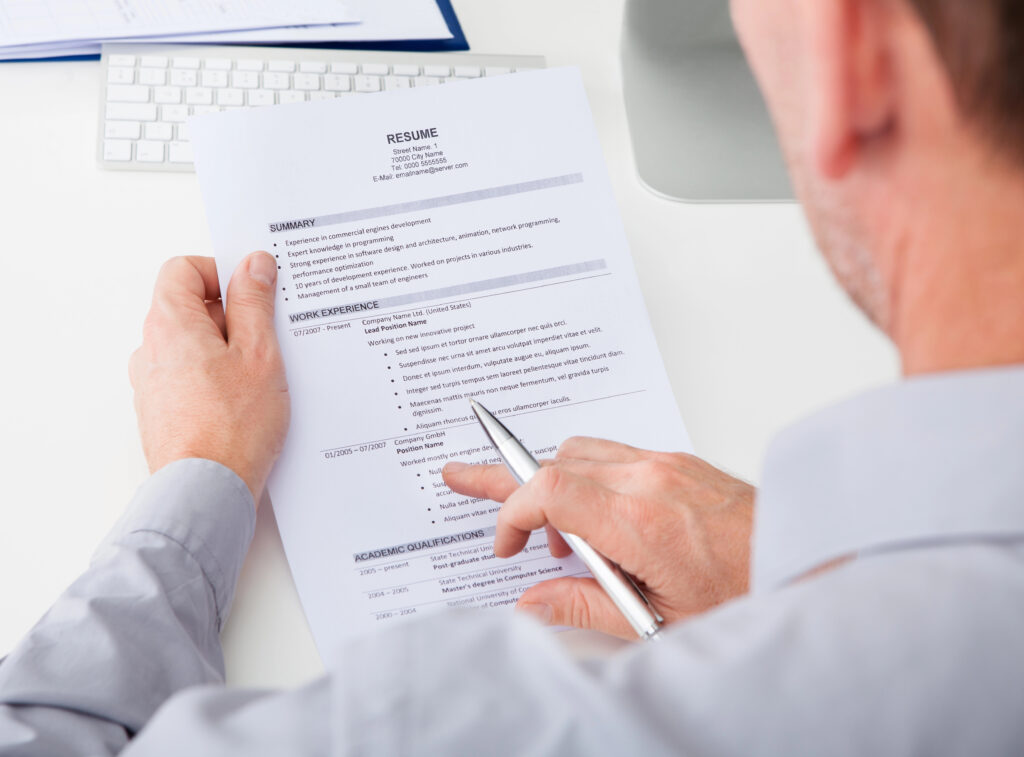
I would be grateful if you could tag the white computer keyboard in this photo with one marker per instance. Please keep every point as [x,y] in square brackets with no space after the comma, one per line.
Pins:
[150,91]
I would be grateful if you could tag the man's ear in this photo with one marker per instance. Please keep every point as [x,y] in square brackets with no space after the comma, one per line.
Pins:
[851,89]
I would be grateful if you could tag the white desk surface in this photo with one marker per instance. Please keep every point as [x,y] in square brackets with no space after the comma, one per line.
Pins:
[753,330]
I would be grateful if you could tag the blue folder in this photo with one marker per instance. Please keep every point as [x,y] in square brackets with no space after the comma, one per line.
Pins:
[456,43]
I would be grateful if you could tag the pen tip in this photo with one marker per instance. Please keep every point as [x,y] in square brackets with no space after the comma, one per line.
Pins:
[472,402]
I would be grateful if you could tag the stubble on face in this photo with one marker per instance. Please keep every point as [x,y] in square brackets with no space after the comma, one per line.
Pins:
[841,237]
[834,209]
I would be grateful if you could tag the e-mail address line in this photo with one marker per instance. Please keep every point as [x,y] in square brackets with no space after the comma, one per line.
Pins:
[444,201]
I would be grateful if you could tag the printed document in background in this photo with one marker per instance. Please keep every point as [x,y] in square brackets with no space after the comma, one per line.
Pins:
[39,22]
[386,20]
[435,245]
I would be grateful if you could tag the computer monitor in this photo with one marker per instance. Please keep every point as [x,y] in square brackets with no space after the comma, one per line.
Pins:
[697,121]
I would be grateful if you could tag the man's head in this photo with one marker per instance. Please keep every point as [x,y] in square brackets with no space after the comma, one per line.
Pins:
[899,119]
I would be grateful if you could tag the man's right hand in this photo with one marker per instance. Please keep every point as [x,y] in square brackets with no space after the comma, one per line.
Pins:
[678,525]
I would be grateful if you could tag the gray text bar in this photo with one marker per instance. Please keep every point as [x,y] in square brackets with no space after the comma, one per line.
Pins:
[427,204]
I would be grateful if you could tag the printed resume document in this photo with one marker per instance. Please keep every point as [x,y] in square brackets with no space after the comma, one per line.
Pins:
[434,245]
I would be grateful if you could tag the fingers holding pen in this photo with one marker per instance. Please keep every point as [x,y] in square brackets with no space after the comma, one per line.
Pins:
[496,483]
[485,481]
[571,503]
[571,495]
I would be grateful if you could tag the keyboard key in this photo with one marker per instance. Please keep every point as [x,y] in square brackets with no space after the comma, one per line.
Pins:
[344,68]
[119,75]
[182,77]
[167,95]
[153,76]
[313,67]
[184,133]
[149,152]
[247,64]
[260,97]
[376,69]
[127,93]
[496,70]
[202,110]
[159,131]
[405,69]
[218,64]
[245,80]
[397,82]
[117,149]
[276,81]
[337,83]
[130,112]
[230,97]
[291,96]
[282,66]
[174,113]
[122,130]
[121,60]
[306,81]
[321,95]
[192,63]
[153,61]
[179,152]
[426,81]
[214,78]
[199,96]
[467,72]
[437,70]
[367,83]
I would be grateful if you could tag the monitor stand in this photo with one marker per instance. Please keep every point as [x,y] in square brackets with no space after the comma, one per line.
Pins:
[698,124]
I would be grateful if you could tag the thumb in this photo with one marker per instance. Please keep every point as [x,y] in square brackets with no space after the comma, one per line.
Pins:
[249,311]
[577,602]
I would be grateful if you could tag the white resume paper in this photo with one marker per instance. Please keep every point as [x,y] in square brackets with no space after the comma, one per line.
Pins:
[434,245]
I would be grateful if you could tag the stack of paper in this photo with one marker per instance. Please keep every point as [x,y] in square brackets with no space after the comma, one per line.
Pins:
[52,28]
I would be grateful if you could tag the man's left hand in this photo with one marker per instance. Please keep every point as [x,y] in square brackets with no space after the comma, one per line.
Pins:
[210,383]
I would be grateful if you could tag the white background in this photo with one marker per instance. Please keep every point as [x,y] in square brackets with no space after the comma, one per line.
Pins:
[754,332]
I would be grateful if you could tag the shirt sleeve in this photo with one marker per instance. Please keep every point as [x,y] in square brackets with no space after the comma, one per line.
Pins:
[140,624]
[867,659]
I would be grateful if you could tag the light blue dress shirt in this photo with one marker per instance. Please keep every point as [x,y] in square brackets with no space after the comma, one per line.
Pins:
[914,646]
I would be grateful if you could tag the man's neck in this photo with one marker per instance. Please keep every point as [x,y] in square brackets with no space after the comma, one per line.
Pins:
[958,275]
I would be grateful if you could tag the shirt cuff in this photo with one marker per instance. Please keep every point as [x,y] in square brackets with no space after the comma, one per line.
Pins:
[205,508]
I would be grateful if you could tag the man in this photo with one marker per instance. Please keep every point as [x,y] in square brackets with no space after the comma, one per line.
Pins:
[886,578]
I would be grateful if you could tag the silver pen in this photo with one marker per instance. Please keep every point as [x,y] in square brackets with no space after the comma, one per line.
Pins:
[618,584]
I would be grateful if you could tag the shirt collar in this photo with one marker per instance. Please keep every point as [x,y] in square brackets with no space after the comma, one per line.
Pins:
[934,458]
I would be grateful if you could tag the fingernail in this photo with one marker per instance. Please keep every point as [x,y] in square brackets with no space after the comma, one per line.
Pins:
[540,612]
[455,467]
[263,268]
